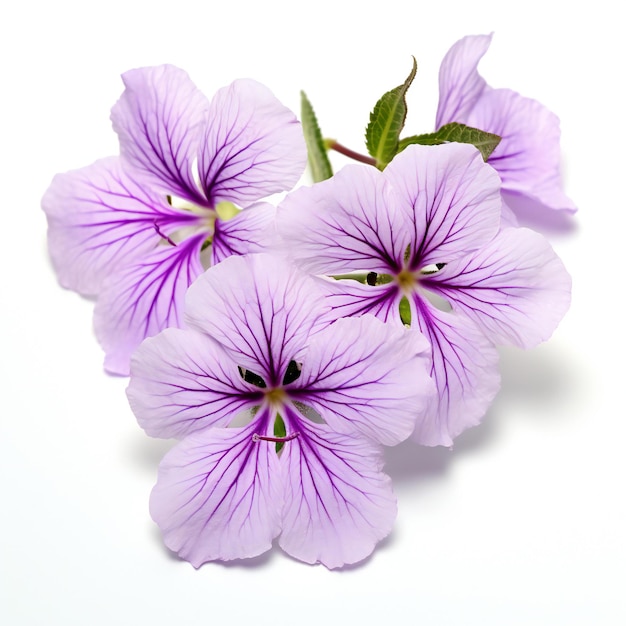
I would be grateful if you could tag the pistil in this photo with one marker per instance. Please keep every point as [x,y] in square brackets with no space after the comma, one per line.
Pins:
[257,437]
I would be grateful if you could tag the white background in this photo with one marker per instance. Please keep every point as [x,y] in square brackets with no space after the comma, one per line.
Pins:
[522,523]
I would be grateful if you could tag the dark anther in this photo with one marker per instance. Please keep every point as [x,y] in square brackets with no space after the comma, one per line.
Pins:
[440,266]
[292,373]
[251,377]
[371,278]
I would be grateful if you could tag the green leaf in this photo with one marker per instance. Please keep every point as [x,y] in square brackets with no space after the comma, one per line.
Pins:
[279,431]
[405,311]
[484,141]
[316,149]
[387,121]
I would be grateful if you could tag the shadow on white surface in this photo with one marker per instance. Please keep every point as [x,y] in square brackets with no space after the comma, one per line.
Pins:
[538,383]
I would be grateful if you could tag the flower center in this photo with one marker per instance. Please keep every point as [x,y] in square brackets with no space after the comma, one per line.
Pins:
[407,281]
[276,396]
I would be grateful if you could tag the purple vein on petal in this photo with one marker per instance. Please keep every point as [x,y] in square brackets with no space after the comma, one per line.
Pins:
[100,217]
[144,298]
[464,369]
[183,381]
[218,494]
[156,119]
[338,503]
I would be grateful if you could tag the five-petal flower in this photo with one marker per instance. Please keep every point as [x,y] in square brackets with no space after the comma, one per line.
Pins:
[528,156]
[260,353]
[131,230]
[427,229]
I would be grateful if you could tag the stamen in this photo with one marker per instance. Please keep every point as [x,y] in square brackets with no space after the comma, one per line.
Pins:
[257,437]
[161,234]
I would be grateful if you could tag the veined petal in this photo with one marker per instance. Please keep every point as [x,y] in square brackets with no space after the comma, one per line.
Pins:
[252,230]
[349,298]
[182,382]
[460,84]
[218,495]
[338,503]
[252,146]
[347,223]
[144,298]
[158,120]
[528,157]
[452,197]
[99,218]
[260,309]
[465,371]
[515,289]
[363,375]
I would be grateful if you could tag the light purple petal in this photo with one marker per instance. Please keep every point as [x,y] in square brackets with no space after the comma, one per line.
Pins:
[528,156]
[361,374]
[251,231]
[460,84]
[508,218]
[143,299]
[259,308]
[99,218]
[338,503]
[252,145]
[158,120]
[452,197]
[349,298]
[182,382]
[347,223]
[515,289]
[218,495]
[465,371]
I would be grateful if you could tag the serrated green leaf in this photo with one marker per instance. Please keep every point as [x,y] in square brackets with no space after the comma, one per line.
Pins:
[316,148]
[484,141]
[387,121]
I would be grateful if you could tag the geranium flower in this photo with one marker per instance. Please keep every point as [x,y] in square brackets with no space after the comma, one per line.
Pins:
[258,344]
[131,230]
[427,229]
[528,156]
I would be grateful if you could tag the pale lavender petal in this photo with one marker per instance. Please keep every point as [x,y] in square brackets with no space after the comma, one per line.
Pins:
[452,197]
[515,289]
[347,223]
[460,84]
[349,298]
[338,503]
[508,218]
[528,157]
[158,119]
[252,146]
[465,371]
[143,299]
[259,308]
[218,495]
[363,375]
[251,231]
[100,218]
[182,382]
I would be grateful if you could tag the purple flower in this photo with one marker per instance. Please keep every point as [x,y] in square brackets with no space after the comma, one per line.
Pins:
[131,230]
[259,347]
[428,228]
[528,156]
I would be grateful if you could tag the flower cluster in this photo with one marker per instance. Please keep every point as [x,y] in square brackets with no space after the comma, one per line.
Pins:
[285,346]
